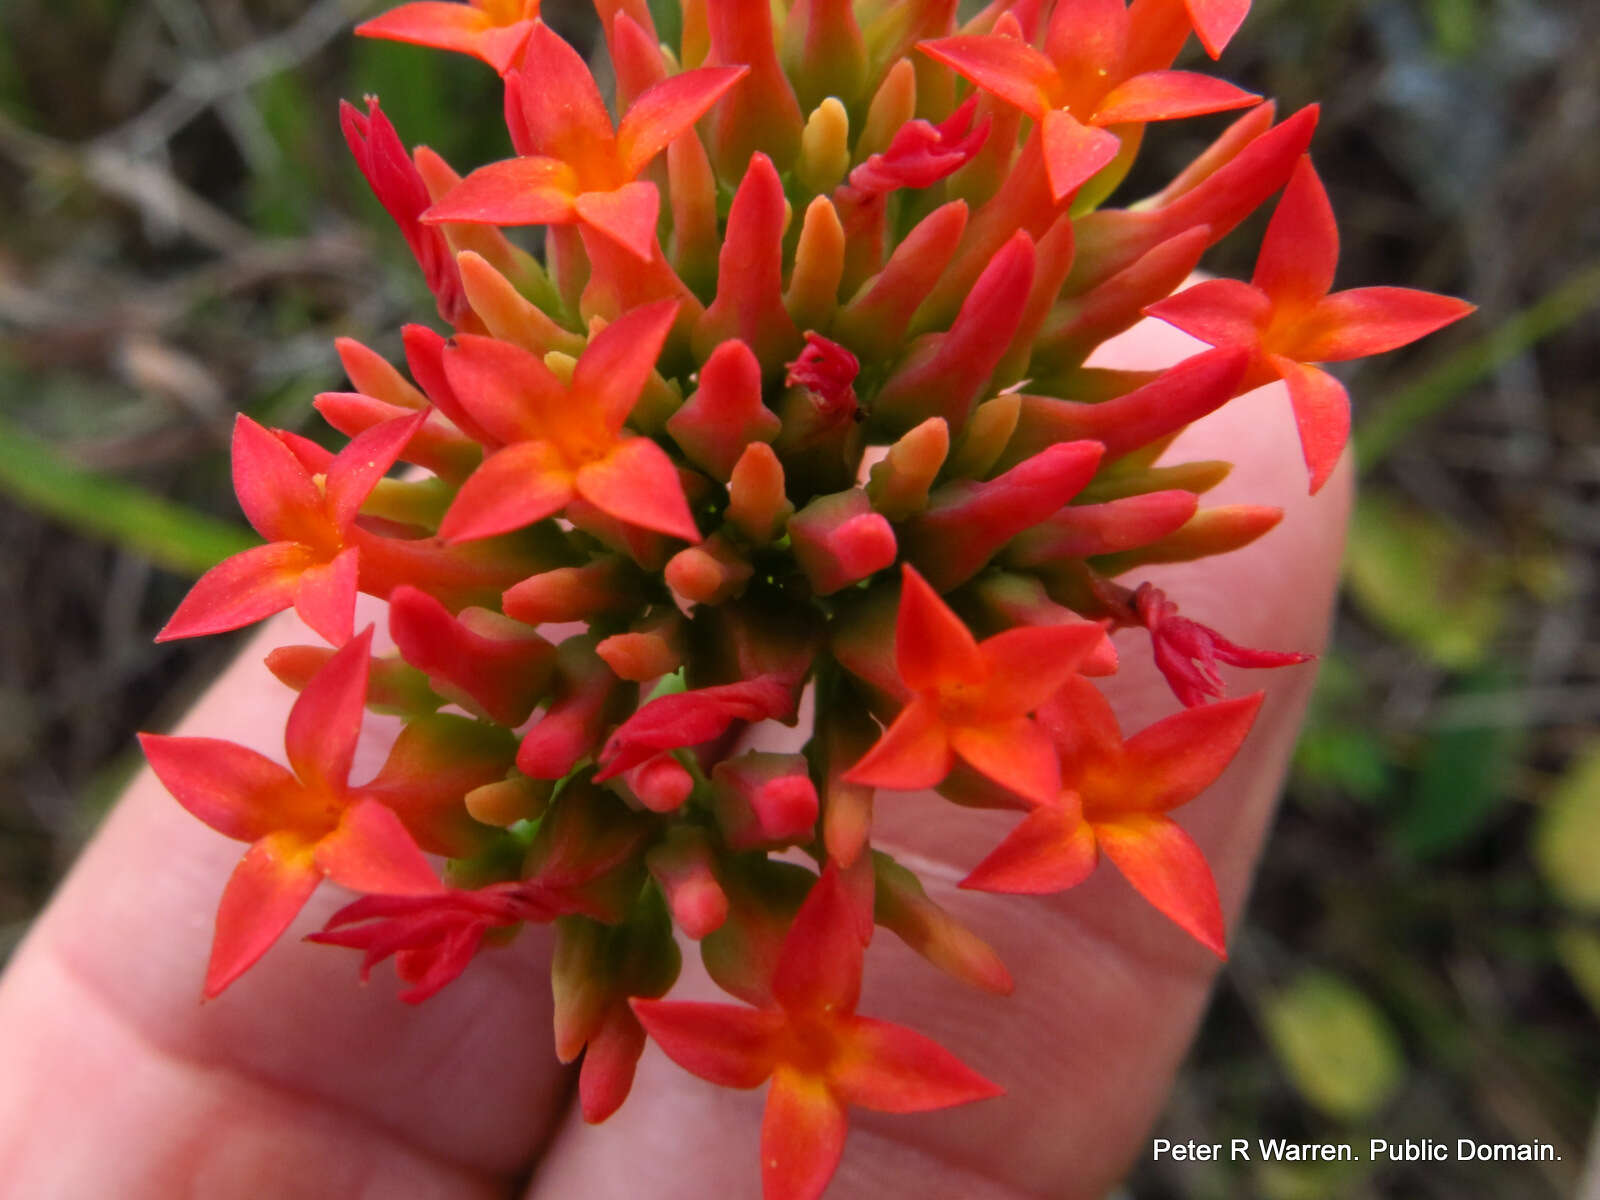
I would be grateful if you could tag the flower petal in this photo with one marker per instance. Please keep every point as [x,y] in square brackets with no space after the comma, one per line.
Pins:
[931,644]
[238,591]
[1015,754]
[515,486]
[371,851]
[1027,665]
[1372,320]
[1074,152]
[1216,21]
[889,1068]
[1174,760]
[666,109]
[1168,869]
[446,25]
[617,362]
[819,969]
[1052,850]
[504,388]
[274,488]
[1169,95]
[325,722]
[267,889]
[729,1045]
[532,190]
[914,752]
[1003,66]
[1321,413]
[236,791]
[1220,312]
[325,596]
[356,469]
[802,1137]
[562,111]
[637,483]
[1301,248]
[627,215]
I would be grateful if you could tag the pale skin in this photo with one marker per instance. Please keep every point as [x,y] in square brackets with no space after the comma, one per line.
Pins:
[298,1081]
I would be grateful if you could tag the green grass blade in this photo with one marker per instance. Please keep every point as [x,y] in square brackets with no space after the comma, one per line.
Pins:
[37,476]
[1407,408]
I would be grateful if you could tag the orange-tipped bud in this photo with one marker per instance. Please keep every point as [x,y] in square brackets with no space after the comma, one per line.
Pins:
[985,437]
[507,314]
[898,485]
[647,652]
[904,908]
[813,295]
[506,801]
[606,584]
[713,572]
[893,104]
[825,148]
[757,505]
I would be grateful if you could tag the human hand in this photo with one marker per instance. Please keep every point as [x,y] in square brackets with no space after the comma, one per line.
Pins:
[115,1080]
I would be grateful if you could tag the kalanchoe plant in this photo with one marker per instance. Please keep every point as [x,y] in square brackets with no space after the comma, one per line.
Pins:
[795,400]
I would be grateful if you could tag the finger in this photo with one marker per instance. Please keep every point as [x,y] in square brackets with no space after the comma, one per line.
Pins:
[1108,992]
[127,1081]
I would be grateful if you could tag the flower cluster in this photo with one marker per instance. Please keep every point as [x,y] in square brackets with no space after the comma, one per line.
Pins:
[794,400]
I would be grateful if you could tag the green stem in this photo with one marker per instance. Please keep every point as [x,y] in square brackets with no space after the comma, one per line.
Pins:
[1439,388]
[36,475]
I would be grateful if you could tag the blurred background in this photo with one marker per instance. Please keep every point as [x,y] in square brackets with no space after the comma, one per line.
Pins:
[182,235]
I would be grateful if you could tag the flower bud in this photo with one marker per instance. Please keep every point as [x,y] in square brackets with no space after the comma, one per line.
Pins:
[682,863]
[763,800]
[726,413]
[838,540]
[898,484]
[757,505]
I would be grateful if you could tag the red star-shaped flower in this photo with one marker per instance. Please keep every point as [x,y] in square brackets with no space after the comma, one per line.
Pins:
[820,1056]
[562,442]
[310,560]
[573,165]
[1289,317]
[1114,799]
[303,822]
[971,699]
[1080,83]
